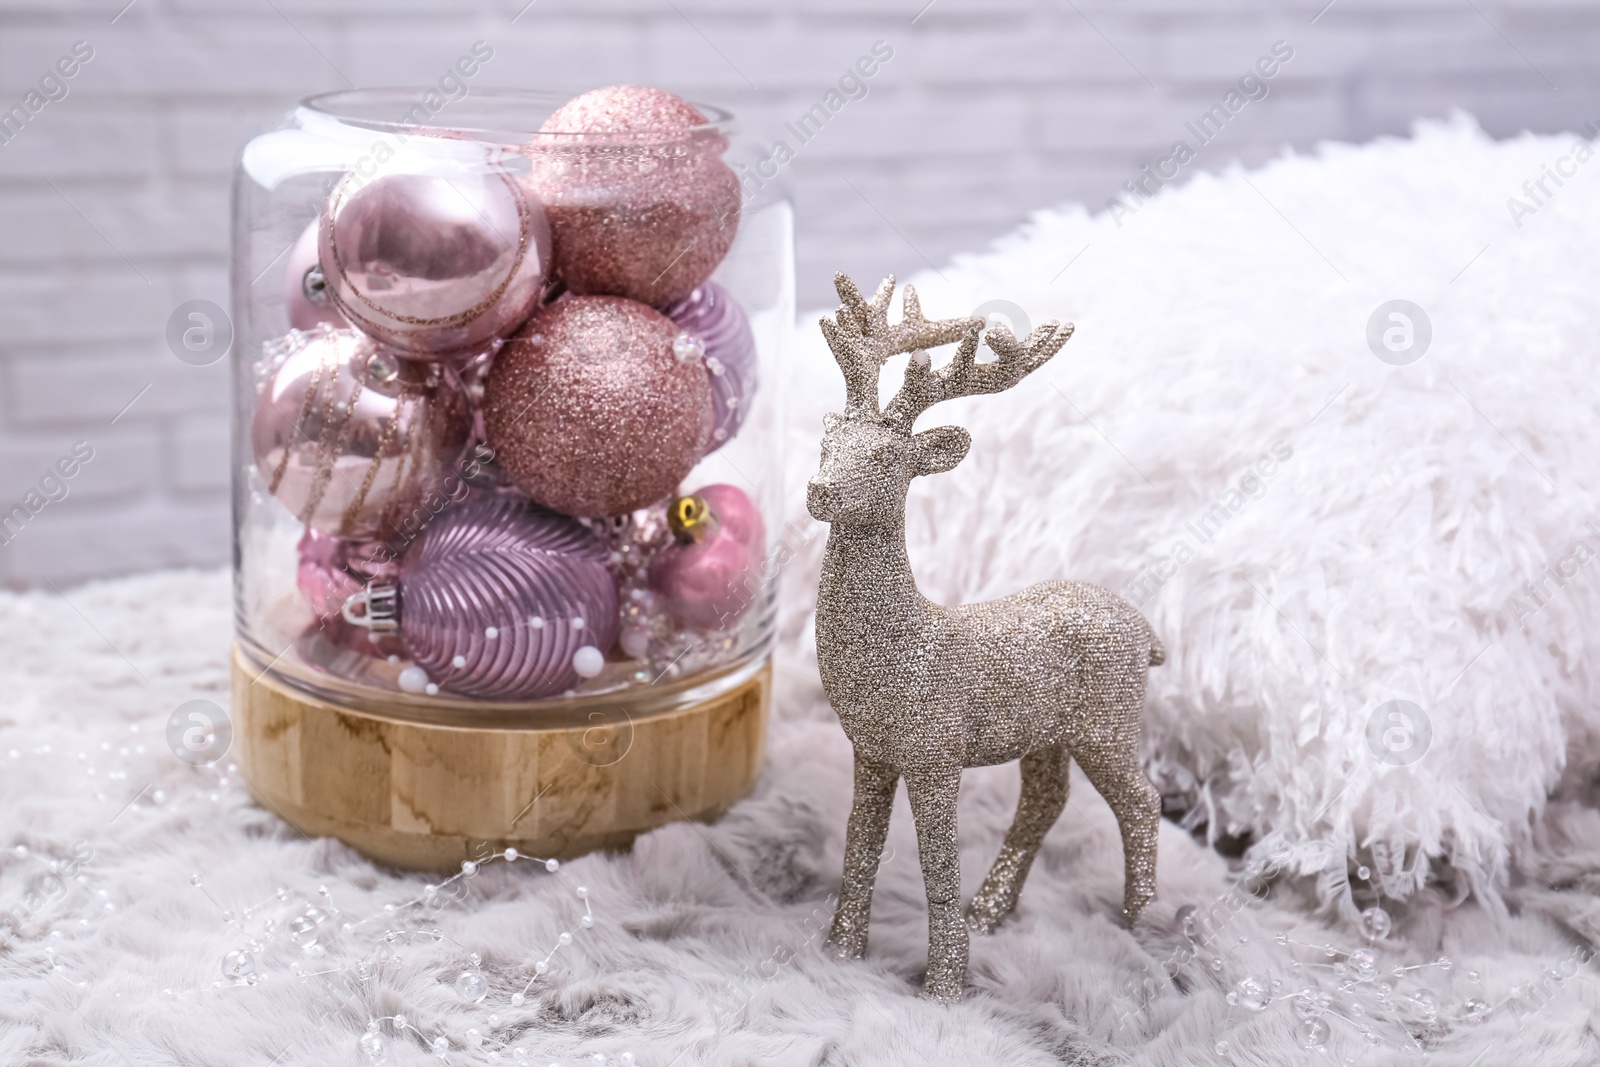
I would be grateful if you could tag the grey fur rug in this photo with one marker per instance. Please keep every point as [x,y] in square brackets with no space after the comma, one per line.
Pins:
[705,947]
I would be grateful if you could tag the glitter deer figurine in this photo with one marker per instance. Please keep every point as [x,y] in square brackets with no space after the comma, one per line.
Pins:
[923,691]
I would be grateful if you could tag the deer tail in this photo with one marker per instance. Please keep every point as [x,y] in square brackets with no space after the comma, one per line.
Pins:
[1158,651]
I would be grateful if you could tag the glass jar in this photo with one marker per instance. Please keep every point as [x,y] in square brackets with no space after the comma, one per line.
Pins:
[508,405]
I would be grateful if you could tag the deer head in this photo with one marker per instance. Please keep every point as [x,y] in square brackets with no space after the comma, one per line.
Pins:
[870,455]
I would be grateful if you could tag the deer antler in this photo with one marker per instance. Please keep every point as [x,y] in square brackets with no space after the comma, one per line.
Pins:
[862,339]
[965,376]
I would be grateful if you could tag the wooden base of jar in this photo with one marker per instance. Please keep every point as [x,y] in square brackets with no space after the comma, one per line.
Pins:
[426,797]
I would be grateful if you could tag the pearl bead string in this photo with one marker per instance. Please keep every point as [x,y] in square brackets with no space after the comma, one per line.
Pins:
[470,985]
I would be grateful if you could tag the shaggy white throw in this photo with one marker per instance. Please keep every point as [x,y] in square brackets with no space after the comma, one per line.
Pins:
[1383,557]
[1314,531]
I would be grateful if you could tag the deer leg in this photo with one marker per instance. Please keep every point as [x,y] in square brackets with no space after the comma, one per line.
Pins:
[933,805]
[1115,772]
[1044,795]
[863,845]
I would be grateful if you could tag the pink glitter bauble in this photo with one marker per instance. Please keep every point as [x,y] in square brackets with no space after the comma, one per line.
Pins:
[591,410]
[436,266]
[620,111]
[713,573]
[354,441]
[639,200]
[498,595]
[711,317]
[331,570]
[305,292]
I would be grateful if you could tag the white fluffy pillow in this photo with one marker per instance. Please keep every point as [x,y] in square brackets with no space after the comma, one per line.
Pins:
[1379,553]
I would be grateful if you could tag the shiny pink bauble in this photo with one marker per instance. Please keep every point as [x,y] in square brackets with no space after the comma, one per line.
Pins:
[707,579]
[640,202]
[357,442]
[436,266]
[330,571]
[591,410]
[305,292]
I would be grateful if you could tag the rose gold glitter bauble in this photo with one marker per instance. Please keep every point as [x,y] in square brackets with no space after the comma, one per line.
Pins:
[591,411]
[639,200]
[356,442]
[436,266]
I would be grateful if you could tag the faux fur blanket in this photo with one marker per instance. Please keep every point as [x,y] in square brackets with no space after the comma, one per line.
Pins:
[1383,535]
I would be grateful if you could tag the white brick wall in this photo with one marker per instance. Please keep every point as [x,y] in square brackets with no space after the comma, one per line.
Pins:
[114,201]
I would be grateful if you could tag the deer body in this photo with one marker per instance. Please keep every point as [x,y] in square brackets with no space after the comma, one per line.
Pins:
[922,690]
[982,713]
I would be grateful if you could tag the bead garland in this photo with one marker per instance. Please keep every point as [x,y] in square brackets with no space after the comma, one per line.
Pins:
[471,986]
[260,930]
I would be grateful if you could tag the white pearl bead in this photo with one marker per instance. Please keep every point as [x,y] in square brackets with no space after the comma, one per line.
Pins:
[588,661]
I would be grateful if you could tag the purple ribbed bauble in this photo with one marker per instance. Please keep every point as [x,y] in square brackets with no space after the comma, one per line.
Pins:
[712,317]
[498,596]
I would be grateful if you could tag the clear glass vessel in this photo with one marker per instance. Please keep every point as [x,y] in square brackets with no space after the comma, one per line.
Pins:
[508,403]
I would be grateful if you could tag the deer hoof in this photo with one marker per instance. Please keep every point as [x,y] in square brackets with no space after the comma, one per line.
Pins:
[852,948]
[985,915]
[944,988]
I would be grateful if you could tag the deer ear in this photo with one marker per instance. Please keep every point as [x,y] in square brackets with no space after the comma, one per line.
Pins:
[940,449]
[831,421]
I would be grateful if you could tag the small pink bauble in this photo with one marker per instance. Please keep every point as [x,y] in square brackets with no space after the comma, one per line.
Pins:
[305,292]
[436,266]
[356,442]
[331,570]
[591,409]
[713,572]
[640,202]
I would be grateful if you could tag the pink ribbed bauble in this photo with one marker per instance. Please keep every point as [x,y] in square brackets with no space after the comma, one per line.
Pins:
[713,572]
[498,596]
[436,266]
[639,200]
[305,292]
[592,411]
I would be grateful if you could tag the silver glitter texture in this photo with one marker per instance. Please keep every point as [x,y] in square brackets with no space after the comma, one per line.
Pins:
[1056,671]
